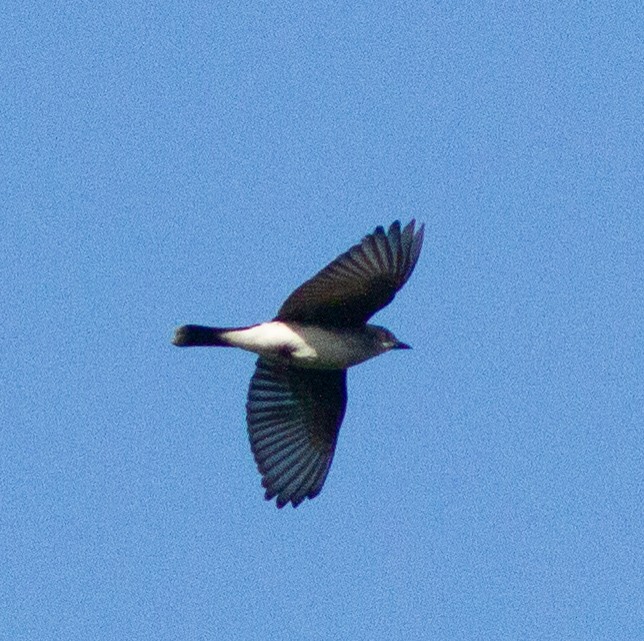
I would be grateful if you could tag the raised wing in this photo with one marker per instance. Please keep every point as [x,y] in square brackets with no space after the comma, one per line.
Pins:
[351,289]
[294,416]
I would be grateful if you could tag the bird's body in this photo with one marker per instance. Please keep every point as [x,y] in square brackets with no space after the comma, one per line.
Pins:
[298,345]
[297,396]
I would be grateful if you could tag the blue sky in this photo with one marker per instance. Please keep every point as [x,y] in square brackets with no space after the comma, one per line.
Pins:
[195,162]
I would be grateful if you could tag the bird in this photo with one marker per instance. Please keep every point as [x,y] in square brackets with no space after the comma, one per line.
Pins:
[298,393]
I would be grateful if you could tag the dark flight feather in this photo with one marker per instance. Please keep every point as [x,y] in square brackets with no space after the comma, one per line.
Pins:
[363,280]
[294,416]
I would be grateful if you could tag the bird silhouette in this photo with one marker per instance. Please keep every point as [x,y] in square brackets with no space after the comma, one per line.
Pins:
[298,393]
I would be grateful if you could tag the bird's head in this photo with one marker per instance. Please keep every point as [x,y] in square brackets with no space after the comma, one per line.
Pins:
[384,340]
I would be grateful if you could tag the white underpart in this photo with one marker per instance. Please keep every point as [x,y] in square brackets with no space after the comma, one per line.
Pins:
[304,345]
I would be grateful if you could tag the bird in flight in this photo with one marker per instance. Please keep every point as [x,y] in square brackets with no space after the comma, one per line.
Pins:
[298,393]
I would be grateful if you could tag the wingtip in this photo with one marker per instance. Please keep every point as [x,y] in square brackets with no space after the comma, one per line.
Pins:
[281,503]
[409,228]
[420,233]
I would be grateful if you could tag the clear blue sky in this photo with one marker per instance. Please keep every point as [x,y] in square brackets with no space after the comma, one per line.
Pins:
[195,162]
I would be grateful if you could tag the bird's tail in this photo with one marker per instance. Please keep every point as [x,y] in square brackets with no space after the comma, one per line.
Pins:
[198,335]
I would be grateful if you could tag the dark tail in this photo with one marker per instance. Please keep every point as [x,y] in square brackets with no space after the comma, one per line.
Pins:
[198,335]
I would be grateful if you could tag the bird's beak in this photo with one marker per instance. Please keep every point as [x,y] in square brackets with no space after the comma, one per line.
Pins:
[401,345]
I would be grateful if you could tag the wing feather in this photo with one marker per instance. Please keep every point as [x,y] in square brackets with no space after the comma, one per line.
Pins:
[294,416]
[358,283]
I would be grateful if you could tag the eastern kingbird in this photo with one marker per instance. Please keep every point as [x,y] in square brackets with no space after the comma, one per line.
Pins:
[298,393]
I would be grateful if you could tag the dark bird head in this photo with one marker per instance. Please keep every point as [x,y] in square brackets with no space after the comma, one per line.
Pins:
[383,340]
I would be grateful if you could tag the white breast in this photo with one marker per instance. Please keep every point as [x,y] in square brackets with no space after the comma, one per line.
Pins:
[307,346]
